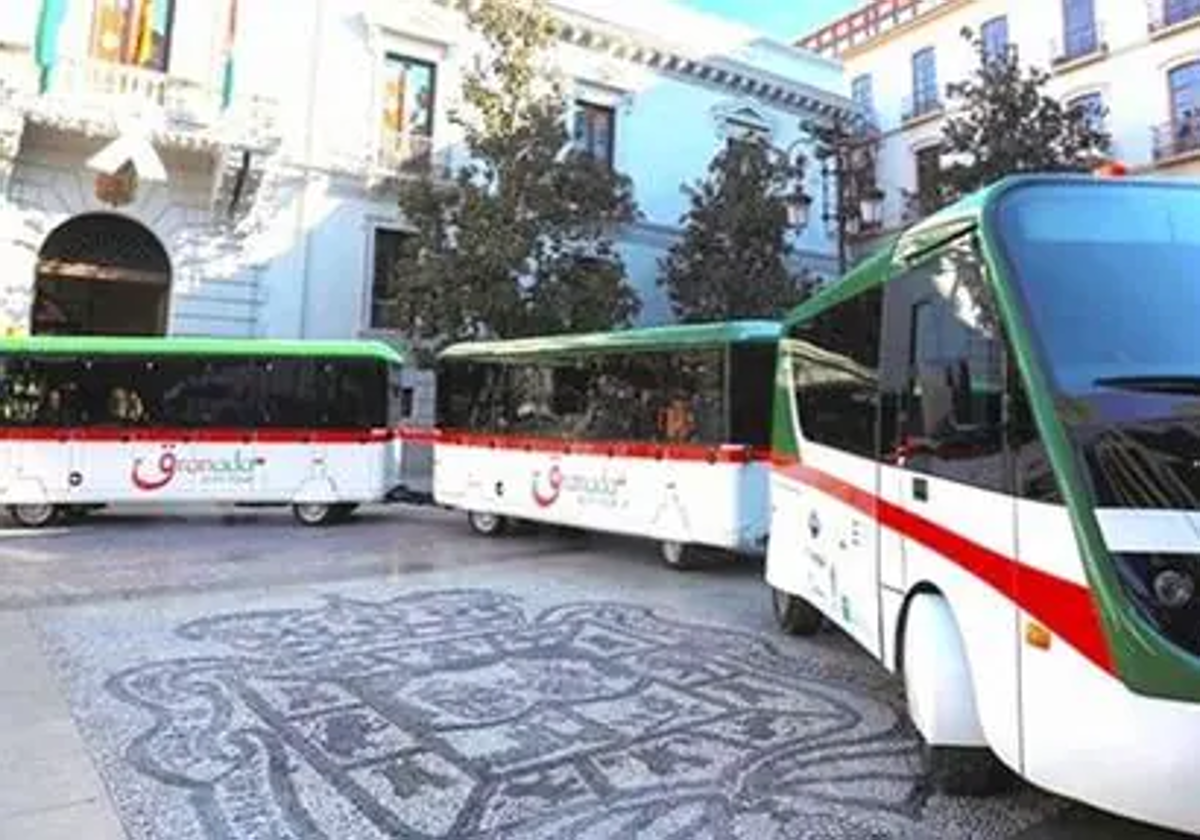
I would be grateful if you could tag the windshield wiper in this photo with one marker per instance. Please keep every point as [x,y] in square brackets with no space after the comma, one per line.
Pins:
[1159,384]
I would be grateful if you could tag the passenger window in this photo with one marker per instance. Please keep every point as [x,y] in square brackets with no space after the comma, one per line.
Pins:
[835,372]
[40,391]
[752,389]
[944,377]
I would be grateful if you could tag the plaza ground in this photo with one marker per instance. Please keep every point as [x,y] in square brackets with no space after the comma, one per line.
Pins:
[232,675]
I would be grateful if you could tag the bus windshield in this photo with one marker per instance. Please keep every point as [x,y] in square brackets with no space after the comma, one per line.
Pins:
[1108,276]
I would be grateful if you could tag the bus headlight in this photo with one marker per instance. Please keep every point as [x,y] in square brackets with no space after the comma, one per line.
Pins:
[1163,588]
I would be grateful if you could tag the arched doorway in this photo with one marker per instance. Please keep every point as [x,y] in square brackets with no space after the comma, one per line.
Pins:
[101,274]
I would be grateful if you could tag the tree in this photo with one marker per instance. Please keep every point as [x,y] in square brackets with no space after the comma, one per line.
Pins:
[1005,124]
[519,242]
[732,260]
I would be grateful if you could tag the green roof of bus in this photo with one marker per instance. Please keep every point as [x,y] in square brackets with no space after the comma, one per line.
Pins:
[675,337]
[145,346]
[942,226]
[945,224]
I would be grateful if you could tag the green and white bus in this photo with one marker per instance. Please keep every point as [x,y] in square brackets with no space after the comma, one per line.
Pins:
[90,421]
[987,449]
[661,432]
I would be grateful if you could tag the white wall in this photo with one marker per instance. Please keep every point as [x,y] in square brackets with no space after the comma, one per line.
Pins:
[1132,76]
[668,129]
[304,268]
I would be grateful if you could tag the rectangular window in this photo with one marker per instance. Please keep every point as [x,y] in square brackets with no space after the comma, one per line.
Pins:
[595,131]
[409,99]
[925,84]
[835,368]
[1091,107]
[289,393]
[41,391]
[1177,11]
[390,246]
[862,93]
[994,34]
[221,392]
[1080,35]
[751,392]
[1185,93]
[133,32]
[943,379]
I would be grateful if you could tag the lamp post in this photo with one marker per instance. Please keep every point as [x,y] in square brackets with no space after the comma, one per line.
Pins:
[846,153]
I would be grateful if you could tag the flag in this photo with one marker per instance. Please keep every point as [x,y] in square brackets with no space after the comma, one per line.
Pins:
[143,43]
[49,24]
[230,40]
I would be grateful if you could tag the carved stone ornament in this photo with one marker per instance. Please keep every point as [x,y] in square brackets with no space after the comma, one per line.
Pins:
[118,189]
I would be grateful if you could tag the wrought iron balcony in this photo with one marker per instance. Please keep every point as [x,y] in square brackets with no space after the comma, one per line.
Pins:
[1079,42]
[1167,13]
[406,153]
[921,105]
[1179,137]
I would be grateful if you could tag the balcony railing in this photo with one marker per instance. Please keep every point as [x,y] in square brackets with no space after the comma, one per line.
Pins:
[1167,13]
[1179,137]
[85,90]
[406,153]
[1079,42]
[921,105]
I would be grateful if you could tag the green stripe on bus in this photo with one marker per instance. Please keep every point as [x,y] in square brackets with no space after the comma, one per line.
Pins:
[139,346]
[650,339]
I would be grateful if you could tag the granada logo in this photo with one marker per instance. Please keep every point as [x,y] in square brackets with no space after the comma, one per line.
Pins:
[588,489]
[223,471]
[547,497]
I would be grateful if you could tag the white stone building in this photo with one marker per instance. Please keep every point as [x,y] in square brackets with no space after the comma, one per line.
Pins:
[1140,59]
[281,128]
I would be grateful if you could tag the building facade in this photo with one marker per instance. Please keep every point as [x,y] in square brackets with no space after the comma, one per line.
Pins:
[230,167]
[1137,60]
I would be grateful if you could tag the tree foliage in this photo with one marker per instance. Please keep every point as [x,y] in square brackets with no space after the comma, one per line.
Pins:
[519,242]
[1002,123]
[732,260]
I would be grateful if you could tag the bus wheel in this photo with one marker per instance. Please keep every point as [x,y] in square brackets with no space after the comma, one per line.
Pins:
[33,516]
[487,524]
[794,615]
[941,703]
[677,555]
[314,514]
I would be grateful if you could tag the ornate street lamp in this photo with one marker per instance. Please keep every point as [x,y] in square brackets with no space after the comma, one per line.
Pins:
[871,208]
[799,208]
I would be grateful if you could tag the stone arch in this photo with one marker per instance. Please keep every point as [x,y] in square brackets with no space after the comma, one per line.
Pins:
[101,274]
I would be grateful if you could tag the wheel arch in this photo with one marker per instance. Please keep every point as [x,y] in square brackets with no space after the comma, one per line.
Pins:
[949,715]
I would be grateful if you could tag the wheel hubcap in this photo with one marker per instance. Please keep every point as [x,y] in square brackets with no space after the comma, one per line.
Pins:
[34,514]
[485,522]
[311,513]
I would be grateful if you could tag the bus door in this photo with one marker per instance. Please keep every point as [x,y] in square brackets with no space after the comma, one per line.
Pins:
[955,525]
[834,360]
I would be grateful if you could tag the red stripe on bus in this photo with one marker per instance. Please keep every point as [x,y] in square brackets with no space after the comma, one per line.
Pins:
[721,454]
[1066,608]
[217,435]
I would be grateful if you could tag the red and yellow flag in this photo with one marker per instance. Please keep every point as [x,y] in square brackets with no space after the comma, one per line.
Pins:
[143,42]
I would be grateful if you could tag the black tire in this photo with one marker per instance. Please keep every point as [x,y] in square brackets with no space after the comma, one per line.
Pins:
[34,516]
[487,524]
[315,515]
[965,771]
[344,512]
[679,556]
[794,615]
